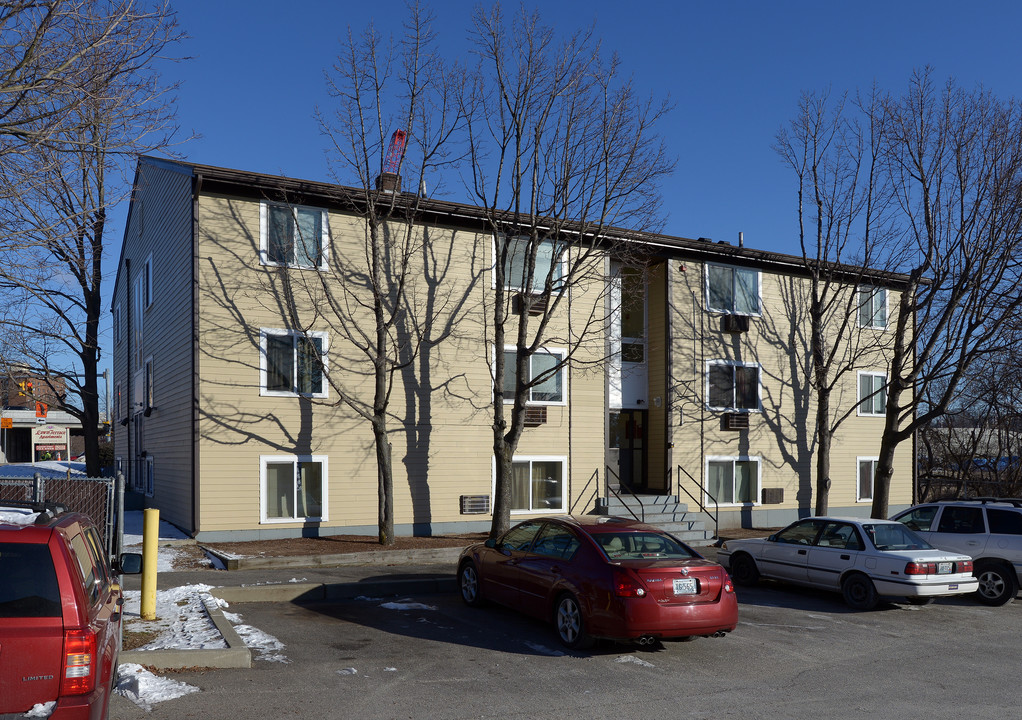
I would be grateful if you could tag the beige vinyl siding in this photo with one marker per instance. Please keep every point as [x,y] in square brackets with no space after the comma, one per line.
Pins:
[442,442]
[782,435]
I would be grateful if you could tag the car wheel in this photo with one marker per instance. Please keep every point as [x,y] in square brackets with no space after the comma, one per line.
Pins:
[743,570]
[916,600]
[570,623]
[859,592]
[468,583]
[997,585]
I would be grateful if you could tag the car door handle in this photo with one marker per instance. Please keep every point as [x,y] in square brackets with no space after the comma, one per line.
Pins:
[555,570]
[801,552]
[846,557]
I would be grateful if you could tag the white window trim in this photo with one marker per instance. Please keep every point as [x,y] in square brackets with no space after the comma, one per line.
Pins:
[887,306]
[563,371]
[562,459]
[873,483]
[733,364]
[293,459]
[561,263]
[757,494]
[732,311]
[263,333]
[264,236]
[858,397]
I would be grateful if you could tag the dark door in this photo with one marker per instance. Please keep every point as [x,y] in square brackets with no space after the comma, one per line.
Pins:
[626,455]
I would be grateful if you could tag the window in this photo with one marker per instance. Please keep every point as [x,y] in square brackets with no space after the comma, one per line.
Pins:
[872,307]
[803,533]
[293,363]
[549,263]
[556,542]
[147,402]
[294,488]
[867,476]
[961,520]
[520,537]
[920,518]
[537,484]
[117,324]
[293,236]
[550,389]
[1004,522]
[872,397]
[120,401]
[731,386]
[733,481]
[732,290]
[147,282]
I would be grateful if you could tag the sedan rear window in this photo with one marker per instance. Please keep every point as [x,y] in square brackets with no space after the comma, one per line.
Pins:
[894,536]
[635,545]
[29,585]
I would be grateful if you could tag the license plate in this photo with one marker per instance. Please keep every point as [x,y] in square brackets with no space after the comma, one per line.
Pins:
[945,568]
[684,586]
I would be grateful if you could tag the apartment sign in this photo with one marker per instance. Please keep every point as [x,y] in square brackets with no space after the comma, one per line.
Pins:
[50,439]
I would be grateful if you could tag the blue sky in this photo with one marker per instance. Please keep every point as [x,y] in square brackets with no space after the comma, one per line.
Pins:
[734,70]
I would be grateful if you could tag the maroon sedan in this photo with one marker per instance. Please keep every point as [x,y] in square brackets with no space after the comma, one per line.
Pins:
[601,577]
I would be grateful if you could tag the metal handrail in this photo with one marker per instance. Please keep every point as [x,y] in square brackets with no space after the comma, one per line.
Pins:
[642,507]
[702,507]
[596,490]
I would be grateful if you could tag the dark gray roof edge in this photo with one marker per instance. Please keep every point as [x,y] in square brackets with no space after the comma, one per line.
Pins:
[701,250]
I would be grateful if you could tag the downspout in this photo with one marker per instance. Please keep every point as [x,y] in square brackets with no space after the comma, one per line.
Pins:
[196,189]
[127,380]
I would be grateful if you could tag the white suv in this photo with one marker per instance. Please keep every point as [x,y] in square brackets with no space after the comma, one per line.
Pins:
[988,529]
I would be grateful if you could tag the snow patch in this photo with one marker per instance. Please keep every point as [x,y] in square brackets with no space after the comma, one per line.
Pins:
[146,689]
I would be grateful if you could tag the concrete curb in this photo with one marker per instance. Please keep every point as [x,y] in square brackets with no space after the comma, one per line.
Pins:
[235,655]
[409,557]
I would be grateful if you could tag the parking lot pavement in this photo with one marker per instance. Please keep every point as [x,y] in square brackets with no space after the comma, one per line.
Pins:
[795,654]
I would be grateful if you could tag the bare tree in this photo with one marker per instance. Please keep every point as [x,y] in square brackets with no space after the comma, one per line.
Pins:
[390,303]
[562,151]
[953,159]
[68,170]
[844,223]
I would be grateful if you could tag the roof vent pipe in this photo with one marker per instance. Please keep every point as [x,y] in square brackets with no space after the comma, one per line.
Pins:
[741,239]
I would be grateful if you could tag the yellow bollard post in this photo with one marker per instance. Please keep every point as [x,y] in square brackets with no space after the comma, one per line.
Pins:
[150,543]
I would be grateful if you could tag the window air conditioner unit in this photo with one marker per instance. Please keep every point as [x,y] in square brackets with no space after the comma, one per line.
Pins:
[535,415]
[475,504]
[538,306]
[773,496]
[735,323]
[736,421]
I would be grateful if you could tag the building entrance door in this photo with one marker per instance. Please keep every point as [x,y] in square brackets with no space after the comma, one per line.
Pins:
[626,455]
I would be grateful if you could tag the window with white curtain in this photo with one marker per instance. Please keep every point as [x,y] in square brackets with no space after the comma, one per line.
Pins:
[293,488]
[732,290]
[293,236]
[538,484]
[733,481]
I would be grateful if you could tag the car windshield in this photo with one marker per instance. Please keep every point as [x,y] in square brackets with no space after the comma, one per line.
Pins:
[641,545]
[894,536]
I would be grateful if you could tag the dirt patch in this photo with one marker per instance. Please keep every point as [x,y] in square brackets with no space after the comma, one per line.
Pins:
[339,544]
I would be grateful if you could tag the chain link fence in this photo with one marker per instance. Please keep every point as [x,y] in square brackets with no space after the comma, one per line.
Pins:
[95,497]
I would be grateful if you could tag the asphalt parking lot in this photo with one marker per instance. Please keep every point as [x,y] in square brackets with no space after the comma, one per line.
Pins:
[795,654]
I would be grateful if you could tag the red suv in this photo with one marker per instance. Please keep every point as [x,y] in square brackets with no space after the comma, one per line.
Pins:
[60,613]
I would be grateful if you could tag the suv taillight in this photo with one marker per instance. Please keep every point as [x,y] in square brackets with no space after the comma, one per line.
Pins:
[79,676]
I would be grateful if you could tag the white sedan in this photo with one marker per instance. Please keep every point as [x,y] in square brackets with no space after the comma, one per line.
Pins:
[864,559]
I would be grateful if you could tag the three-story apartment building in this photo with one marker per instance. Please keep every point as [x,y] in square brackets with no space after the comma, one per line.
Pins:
[240,382]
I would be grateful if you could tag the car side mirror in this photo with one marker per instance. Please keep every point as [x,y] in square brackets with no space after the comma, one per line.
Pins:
[129,564]
[773,538]
[490,543]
